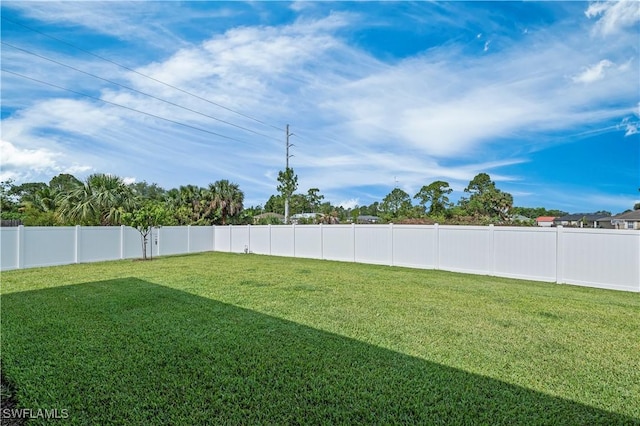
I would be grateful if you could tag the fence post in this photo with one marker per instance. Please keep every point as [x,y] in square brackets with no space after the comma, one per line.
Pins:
[436,243]
[121,241]
[293,228]
[213,238]
[492,250]
[188,238]
[321,242]
[249,239]
[559,255]
[391,244]
[353,239]
[230,239]
[158,242]
[20,246]
[269,225]
[76,247]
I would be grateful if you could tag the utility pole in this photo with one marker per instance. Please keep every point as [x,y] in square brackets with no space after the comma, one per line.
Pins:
[287,156]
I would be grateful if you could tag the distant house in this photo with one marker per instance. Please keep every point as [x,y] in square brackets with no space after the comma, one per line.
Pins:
[580,220]
[368,219]
[628,220]
[305,217]
[546,221]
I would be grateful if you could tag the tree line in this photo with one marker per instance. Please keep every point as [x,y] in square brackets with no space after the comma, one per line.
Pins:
[106,200]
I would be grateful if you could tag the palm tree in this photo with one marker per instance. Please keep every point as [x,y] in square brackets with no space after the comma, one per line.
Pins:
[225,197]
[100,200]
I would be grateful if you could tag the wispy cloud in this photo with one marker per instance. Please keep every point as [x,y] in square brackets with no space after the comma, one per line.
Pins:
[593,73]
[613,16]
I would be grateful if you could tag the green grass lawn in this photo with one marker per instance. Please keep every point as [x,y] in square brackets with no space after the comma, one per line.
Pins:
[221,338]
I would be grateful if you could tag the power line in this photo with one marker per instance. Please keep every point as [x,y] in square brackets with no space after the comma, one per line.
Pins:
[136,90]
[138,72]
[121,106]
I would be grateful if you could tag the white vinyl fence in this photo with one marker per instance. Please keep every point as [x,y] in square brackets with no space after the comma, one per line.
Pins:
[602,258]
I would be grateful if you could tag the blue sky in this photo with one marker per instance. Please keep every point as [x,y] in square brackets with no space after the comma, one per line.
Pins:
[542,96]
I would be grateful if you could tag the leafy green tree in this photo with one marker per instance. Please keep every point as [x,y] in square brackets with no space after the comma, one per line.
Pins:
[275,204]
[100,200]
[226,197]
[9,207]
[27,191]
[486,199]
[40,209]
[298,204]
[314,198]
[288,183]
[189,205]
[396,204]
[435,194]
[148,216]
[372,209]
[63,182]
[148,191]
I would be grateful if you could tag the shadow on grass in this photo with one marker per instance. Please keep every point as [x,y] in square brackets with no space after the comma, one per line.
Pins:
[130,352]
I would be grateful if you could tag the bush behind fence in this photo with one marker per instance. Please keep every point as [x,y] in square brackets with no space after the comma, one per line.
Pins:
[589,257]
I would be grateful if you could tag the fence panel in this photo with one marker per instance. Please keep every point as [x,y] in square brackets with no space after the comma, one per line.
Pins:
[282,240]
[465,249]
[9,247]
[260,239]
[601,258]
[200,238]
[414,246]
[222,238]
[132,244]
[337,242]
[170,240]
[98,243]
[240,239]
[528,253]
[48,246]
[308,241]
[373,244]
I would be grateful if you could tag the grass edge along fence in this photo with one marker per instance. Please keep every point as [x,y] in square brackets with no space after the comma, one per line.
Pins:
[600,258]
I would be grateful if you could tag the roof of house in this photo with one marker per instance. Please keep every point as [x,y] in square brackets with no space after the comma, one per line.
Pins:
[632,215]
[368,217]
[545,219]
[580,216]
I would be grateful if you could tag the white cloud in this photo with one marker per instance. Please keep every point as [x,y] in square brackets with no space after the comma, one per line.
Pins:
[22,164]
[614,16]
[39,159]
[593,73]
[349,204]
[486,45]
